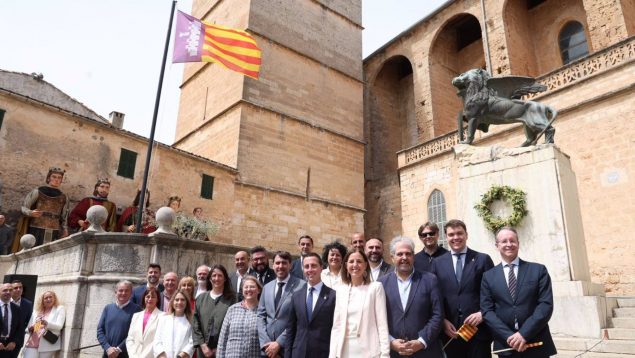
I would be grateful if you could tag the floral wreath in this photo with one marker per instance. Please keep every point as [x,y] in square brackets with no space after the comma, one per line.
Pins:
[515,197]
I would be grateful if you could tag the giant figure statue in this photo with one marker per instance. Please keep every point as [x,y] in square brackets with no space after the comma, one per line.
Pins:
[45,211]
[496,100]
[77,219]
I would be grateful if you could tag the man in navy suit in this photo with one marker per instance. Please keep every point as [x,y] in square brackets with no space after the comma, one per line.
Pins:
[11,326]
[311,315]
[26,306]
[459,273]
[413,305]
[305,244]
[517,301]
[153,275]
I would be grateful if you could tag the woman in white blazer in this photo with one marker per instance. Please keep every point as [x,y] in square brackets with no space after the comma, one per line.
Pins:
[49,316]
[144,326]
[174,329]
[360,326]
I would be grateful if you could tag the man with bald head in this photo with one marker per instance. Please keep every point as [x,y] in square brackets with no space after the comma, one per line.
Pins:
[11,325]
[241,260]
[170,284]
[358,241]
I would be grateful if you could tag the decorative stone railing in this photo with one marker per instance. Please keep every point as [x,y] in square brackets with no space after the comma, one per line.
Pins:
[616,55]
[84,268]
[563,77]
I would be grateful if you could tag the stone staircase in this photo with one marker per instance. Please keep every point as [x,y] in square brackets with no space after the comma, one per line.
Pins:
[619,338]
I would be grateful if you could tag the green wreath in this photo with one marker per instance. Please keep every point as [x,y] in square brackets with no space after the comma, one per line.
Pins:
[515,197]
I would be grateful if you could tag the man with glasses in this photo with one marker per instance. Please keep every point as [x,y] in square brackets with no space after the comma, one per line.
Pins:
[260,265]
[429,236]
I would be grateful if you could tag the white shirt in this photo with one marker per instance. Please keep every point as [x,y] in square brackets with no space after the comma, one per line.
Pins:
[374,272]
[454,257]
[316,293]
[239,279]
[404,293]
[8,304]
[286,281]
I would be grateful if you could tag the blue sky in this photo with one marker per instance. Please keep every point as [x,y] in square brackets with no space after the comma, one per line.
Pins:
[90,50]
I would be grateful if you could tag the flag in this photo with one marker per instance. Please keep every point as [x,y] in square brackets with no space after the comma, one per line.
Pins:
[467,331]
[198,41]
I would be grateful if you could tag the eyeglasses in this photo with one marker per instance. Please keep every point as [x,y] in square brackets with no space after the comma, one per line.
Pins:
[427,234]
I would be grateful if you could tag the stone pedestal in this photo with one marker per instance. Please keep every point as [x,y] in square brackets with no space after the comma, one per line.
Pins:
[552,233]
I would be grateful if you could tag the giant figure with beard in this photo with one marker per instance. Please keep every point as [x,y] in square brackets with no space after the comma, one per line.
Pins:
[77,219]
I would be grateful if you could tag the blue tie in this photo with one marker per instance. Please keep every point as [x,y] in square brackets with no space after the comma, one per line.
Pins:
[309,304]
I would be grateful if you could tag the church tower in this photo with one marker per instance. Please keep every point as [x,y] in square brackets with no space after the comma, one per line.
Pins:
[296,134]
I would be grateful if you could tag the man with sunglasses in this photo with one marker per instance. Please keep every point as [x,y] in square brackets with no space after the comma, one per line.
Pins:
[429,236]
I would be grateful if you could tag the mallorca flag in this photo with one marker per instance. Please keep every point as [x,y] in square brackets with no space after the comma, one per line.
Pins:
[198,41]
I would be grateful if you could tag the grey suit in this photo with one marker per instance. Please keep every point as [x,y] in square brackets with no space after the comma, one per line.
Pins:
[272,322]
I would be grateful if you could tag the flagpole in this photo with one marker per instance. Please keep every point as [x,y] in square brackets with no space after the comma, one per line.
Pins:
[142,196]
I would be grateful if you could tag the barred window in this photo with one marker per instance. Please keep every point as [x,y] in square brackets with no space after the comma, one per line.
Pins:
[436,214]
[572,40]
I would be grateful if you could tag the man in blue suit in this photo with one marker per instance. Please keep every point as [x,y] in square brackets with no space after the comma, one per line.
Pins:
[26,307]
[275,306]
[413,305]
[311,315]
[517,301]
[459,273]
[153,276]
[305,244]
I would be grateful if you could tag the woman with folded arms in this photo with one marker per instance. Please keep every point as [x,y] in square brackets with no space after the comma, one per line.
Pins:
[144,326]
[45,327]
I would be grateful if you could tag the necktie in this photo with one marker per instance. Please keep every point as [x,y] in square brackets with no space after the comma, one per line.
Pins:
[459,267]
[5,321]
[276,301]
[309,304]
[511,281]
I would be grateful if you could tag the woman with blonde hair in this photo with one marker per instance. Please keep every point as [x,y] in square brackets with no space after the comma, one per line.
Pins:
[45,327]
[187,285]
[360,324]
[174,331]
[143,326]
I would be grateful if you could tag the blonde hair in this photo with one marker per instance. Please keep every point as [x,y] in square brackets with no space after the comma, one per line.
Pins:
[185,280]
[39,305]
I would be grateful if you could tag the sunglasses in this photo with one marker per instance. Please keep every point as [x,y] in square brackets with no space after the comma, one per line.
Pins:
[427,234]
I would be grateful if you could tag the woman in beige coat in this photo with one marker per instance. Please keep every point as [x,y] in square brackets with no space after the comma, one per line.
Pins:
[49,316]
[360,326]
[144,326]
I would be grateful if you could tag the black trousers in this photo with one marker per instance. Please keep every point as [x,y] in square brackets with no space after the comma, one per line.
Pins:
[473,348]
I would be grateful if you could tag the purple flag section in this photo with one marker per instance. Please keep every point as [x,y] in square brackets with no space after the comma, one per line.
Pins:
[188,39]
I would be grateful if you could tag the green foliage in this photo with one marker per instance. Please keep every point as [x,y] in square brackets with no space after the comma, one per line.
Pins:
[515,197]
[189,227]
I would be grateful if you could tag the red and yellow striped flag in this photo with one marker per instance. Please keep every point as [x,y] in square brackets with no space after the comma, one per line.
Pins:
[198,41]
[467,331]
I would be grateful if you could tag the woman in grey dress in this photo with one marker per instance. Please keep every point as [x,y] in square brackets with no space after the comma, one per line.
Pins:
[210,311]
[239,334]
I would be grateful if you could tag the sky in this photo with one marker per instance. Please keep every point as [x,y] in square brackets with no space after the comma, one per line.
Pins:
[108,54]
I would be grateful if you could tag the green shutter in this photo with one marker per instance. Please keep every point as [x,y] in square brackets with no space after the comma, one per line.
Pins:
[207,186]
[127,163]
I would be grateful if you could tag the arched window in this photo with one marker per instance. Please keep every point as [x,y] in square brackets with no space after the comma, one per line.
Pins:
[572,42]
[436,213]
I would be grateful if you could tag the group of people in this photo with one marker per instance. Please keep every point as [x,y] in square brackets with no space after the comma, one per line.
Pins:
[33,331]
[347,302]
[48,217]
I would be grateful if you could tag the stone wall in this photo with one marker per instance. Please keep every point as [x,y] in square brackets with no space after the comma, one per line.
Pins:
[84,268]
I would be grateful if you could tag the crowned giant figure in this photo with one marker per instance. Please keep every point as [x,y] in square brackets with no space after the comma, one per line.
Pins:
[77,219]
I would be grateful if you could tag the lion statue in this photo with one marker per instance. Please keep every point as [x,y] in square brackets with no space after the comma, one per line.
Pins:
[488,100]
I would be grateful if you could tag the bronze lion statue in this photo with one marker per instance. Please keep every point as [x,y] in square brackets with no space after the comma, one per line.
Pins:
[496,100]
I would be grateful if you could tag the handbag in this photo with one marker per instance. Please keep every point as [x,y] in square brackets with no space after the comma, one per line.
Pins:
[50,337]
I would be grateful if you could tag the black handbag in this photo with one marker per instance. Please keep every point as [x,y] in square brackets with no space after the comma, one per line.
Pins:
[50,337]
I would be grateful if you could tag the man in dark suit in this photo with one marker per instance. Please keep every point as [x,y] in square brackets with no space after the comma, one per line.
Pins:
[153,275]
[260,265]
[26,306]
[241,261]
[459,273]
[305,244]
[429,236]
[374,250]
[11,326]
[413,305]
[275,306]
[311,315]
[517,301]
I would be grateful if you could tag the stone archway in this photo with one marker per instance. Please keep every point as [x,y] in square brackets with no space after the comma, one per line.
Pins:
[457,47]
[391,127]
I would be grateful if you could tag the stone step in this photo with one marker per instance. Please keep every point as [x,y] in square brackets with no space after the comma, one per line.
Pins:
[594,345]
[624,312]
[626,302]
[622,322]
[582,354]
[620,334]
